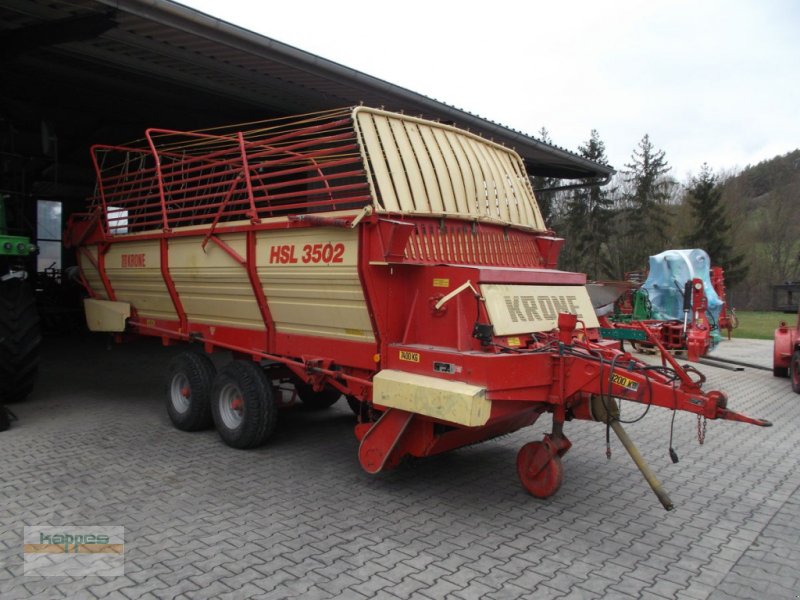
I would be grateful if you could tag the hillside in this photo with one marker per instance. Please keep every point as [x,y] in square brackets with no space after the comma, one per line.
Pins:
[763,206]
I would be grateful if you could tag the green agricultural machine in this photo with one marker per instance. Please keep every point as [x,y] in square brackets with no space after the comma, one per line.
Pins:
[20,334]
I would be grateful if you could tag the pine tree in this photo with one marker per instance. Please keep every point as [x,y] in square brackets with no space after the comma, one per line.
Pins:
[587,220]
[546,199]
[649,191]
[711,227]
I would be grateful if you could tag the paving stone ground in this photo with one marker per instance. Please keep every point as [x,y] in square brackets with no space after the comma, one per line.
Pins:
[298,518]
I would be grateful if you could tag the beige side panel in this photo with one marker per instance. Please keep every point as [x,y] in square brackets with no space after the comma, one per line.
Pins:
[134,270]
[394,164]
[439,173]
[90,272]
[213,287]
[517,309]
[379,174]
[451,401]
[426,167]
[454,173]
[310,279]
[422,167]
[105,315]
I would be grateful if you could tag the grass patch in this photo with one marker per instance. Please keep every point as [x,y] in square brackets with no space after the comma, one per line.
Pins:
[760,325]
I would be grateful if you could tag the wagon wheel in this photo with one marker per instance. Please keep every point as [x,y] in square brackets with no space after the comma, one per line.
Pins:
[542,482]
[795,371]
[243,405]
[363,411]
[189,379]
[316,400]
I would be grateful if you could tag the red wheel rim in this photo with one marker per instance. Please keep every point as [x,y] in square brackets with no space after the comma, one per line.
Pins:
[546,482]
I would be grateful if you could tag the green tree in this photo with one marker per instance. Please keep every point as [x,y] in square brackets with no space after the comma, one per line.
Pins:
[649,191]
[587,220]
[547,199]
[711,227]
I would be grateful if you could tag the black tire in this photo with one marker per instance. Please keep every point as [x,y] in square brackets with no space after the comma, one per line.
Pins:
[189,379]
[780,371]
[20,338]
[363,411]
[5,418]
[316,400]
[358,407]
[795,371]
[243,405]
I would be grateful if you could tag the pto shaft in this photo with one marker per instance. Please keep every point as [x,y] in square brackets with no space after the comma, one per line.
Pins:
[599,413]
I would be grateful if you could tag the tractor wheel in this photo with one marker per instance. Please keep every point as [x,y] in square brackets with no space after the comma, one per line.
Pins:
[20,337]
[189,380]
[317,400]
[780,371]
[243,405]
[546,481]
[795,370]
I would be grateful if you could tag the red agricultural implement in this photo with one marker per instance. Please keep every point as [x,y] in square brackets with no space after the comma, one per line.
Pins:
[681,302]
[786,353]
[399,262]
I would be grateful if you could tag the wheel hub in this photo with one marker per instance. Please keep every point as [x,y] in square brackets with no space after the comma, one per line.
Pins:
[180,393]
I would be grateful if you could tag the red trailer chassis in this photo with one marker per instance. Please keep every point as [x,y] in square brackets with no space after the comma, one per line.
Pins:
[443,321]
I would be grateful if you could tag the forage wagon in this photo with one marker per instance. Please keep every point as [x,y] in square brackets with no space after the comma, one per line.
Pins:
[399,262]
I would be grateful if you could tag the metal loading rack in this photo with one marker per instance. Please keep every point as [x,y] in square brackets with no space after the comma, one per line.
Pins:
[180,179]
[399,262]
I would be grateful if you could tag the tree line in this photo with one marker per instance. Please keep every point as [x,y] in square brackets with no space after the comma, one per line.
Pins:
[746,221]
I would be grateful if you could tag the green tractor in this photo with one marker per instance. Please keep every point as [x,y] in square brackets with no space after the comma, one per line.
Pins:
[20,334]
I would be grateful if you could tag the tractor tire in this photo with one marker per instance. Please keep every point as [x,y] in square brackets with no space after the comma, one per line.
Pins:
[243,405]
[20,338]
[795,371]
[6,416]
[780,372]
[316,400]
[189,380]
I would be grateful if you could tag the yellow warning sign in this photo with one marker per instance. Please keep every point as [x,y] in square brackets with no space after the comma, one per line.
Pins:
[624,382]
[409,356]
[441,282]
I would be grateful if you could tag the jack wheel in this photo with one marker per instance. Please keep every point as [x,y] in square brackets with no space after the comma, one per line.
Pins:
[544,481]
[794,369]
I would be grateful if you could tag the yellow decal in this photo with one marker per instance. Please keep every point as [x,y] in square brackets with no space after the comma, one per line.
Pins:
[624,382]
[409,356]
[514,342]
[441,282]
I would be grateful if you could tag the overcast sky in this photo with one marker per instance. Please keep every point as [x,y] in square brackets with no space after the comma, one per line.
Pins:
[710,81]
